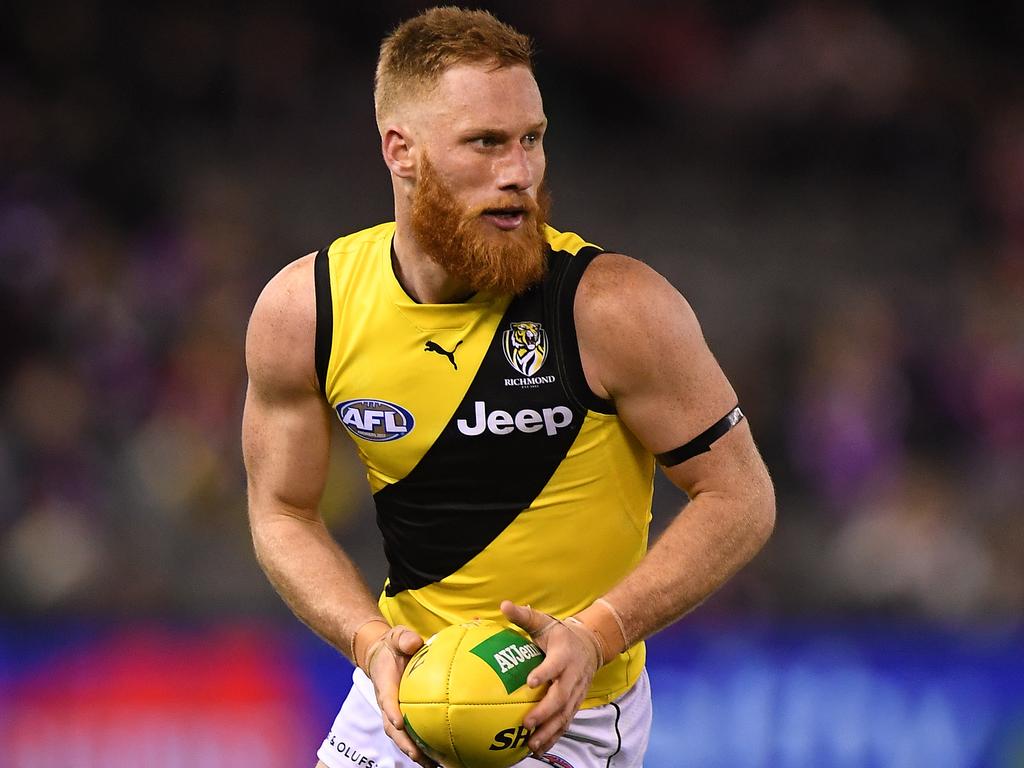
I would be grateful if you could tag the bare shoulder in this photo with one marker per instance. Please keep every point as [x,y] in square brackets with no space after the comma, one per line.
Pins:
[622,289]
[279,343]
[608,269]
[648,318]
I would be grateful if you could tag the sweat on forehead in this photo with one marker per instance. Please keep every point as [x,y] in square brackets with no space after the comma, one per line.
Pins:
[420,50]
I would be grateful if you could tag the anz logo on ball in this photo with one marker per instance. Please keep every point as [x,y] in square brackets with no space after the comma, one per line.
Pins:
[375,420]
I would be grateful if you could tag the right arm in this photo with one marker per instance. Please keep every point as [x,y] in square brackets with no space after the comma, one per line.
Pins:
[286,445]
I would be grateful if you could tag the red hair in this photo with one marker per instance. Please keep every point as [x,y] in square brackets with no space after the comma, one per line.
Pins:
[420,50]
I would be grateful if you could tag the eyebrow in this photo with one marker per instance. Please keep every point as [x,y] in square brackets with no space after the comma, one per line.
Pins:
[498,133]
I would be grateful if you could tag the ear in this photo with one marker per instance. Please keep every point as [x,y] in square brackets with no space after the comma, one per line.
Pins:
[396,146]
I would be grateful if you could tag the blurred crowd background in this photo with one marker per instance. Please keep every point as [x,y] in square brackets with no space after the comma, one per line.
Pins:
[837,188]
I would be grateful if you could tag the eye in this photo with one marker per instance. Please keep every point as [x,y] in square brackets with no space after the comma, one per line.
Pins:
[486,141]
[531,140]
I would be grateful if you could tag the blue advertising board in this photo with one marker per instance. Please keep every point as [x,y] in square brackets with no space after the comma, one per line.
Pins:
[852,697]
[738,696]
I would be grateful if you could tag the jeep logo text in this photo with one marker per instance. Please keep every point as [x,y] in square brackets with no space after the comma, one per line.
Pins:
[527,420]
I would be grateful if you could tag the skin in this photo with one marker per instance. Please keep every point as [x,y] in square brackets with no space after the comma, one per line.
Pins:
[483,131]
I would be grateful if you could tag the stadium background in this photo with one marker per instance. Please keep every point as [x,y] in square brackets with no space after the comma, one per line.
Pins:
[837,187]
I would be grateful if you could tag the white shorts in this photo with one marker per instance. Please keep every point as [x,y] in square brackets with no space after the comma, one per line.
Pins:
[611,736]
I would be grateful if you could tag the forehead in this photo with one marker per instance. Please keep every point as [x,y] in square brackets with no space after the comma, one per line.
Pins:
[480,96]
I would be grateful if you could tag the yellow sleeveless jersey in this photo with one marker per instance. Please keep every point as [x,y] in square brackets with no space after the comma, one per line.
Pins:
[496,472]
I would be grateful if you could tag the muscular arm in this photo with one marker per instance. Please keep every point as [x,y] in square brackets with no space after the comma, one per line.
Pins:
[668,388]
[286,443]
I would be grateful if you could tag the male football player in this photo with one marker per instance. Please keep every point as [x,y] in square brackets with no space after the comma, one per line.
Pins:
[510,389]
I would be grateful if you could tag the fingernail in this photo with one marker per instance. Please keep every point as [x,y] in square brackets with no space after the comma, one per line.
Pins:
[533,682]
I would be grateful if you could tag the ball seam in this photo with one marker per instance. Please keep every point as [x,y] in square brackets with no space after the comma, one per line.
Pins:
[448,696]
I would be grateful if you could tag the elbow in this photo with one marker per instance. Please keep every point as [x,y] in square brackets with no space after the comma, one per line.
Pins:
[259,531]
[259,543]
[766,517]
[762,514]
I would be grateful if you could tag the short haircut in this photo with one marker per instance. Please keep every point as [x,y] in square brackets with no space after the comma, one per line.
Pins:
[420,50]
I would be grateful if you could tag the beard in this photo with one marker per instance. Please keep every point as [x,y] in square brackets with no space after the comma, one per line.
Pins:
[466,247]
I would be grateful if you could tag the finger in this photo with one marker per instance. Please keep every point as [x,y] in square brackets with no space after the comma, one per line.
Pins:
[407,745]
[404,742]
[387,700]
[548,670]
[544,738]
[385,682]
[555,700]
[549,727]
[547,733]
[391,711]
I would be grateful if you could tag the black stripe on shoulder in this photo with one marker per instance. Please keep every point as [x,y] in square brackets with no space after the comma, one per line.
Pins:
[324,316]
[570,272]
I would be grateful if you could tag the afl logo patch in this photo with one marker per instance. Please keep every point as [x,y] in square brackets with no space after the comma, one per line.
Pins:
[375,420]
[526,347]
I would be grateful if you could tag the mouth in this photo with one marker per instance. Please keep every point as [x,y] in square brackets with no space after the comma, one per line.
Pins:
[505,218]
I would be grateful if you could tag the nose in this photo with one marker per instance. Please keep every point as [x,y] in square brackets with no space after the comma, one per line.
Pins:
[514,172]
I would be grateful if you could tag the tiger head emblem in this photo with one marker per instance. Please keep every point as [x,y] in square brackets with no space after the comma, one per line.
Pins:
[526,347]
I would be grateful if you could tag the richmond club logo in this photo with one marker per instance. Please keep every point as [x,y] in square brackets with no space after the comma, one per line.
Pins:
[526,347]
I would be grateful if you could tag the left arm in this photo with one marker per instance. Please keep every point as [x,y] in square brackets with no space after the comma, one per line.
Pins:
[667,388]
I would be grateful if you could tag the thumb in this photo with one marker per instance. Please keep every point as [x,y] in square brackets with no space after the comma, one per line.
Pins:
[405,640]
[526,617]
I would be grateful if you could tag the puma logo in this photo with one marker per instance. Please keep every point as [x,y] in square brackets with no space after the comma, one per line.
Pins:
[433,346]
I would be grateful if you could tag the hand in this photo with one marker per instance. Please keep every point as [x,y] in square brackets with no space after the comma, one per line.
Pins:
[572,656]
[385,662]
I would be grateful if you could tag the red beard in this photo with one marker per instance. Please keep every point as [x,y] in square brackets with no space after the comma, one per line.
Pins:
[487,258]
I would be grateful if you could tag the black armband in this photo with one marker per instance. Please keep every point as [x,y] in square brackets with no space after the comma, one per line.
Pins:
[702,442]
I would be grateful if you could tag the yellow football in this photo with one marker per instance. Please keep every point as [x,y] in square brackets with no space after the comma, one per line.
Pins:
[464,695]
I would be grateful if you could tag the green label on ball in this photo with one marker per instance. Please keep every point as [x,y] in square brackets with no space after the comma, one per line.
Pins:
[428,750]
[412,733]
[511,656]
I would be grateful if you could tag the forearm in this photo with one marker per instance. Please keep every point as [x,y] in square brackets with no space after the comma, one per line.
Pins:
[706,544]
[314,576]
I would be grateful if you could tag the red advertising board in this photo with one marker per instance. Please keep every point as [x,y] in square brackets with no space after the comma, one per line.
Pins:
[161,698]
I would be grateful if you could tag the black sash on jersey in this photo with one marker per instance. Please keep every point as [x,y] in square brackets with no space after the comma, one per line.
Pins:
[466,490]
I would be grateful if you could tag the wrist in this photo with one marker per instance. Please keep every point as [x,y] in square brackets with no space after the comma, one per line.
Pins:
[601,618]
[363,639]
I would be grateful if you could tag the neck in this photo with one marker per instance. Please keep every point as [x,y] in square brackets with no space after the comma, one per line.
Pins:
[420,276]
